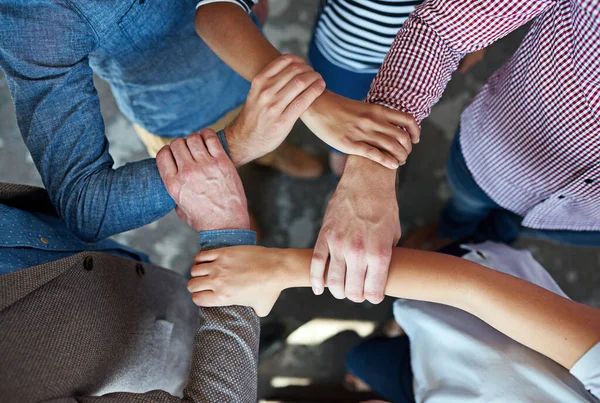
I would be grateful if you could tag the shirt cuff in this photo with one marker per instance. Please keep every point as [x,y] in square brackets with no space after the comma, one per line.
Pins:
[223,140]
[226,237]
[245,4]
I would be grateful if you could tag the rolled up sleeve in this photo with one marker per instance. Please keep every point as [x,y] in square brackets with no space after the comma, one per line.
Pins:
[245,4]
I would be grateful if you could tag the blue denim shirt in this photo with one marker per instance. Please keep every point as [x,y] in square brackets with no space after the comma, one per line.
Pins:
[29,239]
[163,76]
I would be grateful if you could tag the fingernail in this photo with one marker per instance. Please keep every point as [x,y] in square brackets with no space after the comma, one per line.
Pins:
[419,139]
[317,290]
[394,166]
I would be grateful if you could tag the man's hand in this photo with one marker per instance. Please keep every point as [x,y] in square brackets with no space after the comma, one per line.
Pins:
[204,183]
[240,275]
[372,131]
[360,228]
[277,98]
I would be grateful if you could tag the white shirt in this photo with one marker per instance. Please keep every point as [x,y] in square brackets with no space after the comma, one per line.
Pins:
[457,357]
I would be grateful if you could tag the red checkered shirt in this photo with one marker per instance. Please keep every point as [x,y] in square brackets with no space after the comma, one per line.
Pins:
[531,136]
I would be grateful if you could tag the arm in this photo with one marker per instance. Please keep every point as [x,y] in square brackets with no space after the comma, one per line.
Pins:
[412,78]
[350,126]
[557,327]
[430,45]
[225,353]
[45,59]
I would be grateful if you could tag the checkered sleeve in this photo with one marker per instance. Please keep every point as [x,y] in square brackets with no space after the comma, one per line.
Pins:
[432,42]
[245,4]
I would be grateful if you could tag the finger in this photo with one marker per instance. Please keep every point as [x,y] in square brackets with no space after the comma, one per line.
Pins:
[206,256]
[277,65]
[374,154]
[181,153]
[298,106]
[197,148]
[336,276]
[355,275]
[398,134]
[198,284]
[205,299]
[389,144]
[297,86]
[202,269]
[280,80]
[402,119]
[166,163]
[376,278]
[318,264]
[214,146]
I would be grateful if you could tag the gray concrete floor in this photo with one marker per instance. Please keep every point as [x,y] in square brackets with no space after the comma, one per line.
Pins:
[290,210]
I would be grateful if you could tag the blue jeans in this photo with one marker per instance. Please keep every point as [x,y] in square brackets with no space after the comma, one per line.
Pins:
[384,364]
[472,214]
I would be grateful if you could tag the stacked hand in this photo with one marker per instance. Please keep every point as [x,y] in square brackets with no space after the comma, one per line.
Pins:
[278,96]
[241,275]
[372,131]
[204,183]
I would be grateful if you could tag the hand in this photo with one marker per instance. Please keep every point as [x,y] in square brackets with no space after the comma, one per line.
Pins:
[470,60]
[360,228]
[202,180]
[240,275]
[277,98]
[372,131]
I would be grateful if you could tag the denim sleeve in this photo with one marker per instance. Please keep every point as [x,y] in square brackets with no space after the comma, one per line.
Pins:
[44,55]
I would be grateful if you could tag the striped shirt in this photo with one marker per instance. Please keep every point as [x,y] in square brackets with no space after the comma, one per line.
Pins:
[357,34]
[531,136]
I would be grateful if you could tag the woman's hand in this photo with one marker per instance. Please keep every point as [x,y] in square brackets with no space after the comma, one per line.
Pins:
[372,131]
[240,275]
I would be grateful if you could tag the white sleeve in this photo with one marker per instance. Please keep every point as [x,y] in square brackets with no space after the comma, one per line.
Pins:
[587,370]
[245,4]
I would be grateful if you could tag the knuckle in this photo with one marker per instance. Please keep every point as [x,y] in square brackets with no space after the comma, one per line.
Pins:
[335,282]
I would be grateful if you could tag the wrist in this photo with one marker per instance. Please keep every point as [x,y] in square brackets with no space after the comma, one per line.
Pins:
[293,270]
[237,151]
[315,108]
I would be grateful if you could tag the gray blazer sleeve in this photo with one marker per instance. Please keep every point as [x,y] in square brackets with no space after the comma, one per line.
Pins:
[224,363]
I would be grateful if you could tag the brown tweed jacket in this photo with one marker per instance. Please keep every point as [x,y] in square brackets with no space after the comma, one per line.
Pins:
[96,327]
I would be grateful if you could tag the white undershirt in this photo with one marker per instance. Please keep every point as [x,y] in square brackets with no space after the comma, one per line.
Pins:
[456,357]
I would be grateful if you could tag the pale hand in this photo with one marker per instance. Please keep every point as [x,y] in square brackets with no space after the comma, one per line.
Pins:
[360,228]
[204,183]
[240,275]
[278,96]
[372,131]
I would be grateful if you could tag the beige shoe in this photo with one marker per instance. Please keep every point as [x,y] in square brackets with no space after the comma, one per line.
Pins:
[292,161]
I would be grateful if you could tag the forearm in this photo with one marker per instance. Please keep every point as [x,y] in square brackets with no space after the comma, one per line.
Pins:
[234,37]
[109,201]
[557,327]
[428,48]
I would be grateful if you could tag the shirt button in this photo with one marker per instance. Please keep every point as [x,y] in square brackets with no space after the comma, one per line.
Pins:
[44,240]
[588,181]
[88,263]
[90,243]
[139,269]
